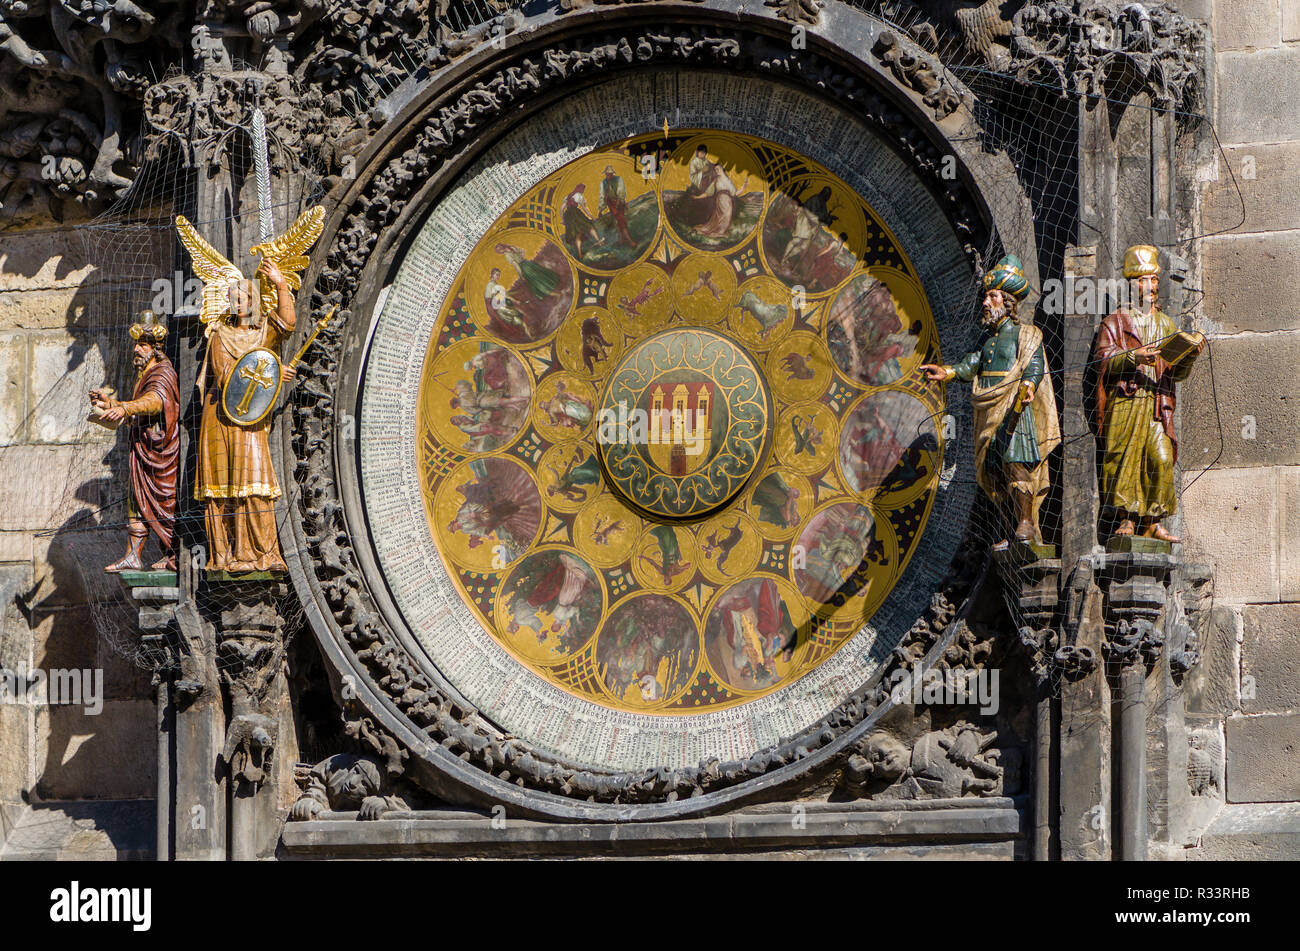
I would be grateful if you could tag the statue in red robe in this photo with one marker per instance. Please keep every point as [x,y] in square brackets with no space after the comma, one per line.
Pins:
[153,439]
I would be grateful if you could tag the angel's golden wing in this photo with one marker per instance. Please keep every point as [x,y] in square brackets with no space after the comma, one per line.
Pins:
[213,269]
[287,253]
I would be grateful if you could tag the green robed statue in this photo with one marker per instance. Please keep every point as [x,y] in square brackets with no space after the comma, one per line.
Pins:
[1135,401]
[1016,426]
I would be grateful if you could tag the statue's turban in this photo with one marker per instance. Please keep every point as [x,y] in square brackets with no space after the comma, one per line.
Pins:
[1009,276]
[1141,260]
[149,327]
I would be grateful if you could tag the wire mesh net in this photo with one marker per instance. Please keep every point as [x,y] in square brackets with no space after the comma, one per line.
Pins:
[137,263]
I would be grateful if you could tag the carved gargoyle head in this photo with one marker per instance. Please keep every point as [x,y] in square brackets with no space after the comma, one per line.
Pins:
[250,744]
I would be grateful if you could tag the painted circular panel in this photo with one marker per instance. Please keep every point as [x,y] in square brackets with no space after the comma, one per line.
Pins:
[889,447]
[663,517]
[683,424]
[687,426]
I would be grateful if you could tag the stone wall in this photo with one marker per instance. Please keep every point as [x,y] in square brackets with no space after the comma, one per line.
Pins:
[59,493]
[1241,448]
[62,487]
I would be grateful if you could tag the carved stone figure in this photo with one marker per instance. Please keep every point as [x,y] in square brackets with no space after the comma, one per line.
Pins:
[1095,47]
[250,747]
[1205,762]
[1016,426]
[67,112]
[153,444]
[983,25]
[943,764]
[236,479]
[1136,401]
[342,783]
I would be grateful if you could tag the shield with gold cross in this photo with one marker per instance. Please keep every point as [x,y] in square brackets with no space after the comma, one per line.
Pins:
[252,387]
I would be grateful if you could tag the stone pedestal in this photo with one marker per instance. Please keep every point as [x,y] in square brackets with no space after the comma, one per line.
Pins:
[191,814]
[260,747]
[1135,582]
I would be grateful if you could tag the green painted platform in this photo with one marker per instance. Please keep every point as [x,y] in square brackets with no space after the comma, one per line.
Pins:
[1020,553]
[148,579]
[1137,544]
[244,575]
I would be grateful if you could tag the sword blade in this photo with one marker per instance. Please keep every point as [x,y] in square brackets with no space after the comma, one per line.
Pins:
[262,168]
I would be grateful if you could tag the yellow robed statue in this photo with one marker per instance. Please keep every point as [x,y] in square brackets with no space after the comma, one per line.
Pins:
[236,479]
[1140,354]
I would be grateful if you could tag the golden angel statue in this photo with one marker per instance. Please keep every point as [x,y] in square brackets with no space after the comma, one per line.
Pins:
[236,480]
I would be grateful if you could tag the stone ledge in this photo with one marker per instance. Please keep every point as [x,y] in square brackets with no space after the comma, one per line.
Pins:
[974,828]
[1256,831]
[106,830]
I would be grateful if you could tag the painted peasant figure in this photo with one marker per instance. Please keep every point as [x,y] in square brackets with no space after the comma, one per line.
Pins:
[1016,426]
[1135,404]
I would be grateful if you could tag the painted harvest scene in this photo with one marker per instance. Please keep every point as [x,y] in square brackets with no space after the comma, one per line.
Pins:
[674,442]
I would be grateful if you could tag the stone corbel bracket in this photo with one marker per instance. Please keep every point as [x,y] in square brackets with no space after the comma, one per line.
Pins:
[1136,592]
[1048,630]
[250,655]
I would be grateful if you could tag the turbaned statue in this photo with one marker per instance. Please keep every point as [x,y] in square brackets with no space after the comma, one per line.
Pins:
[152,416]
[1016,426]
[1140,354]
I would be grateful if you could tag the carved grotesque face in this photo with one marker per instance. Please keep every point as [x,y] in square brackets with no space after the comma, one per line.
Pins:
[887,756]
[355,783]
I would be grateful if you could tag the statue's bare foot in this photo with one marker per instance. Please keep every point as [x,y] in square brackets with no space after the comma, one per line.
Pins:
[164,564]
[1157,531]
[1125,527]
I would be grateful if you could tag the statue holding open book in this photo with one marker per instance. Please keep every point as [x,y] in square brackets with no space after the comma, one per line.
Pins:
[1140,355]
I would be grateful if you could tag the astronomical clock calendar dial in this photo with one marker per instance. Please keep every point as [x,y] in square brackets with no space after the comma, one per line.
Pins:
[671,448]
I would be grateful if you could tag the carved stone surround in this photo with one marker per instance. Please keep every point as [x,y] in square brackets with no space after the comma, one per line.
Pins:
[89,90]
[465,758]
[417,725]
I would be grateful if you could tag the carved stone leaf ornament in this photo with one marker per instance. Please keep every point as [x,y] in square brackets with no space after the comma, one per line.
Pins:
[1094,47]
[797,11]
